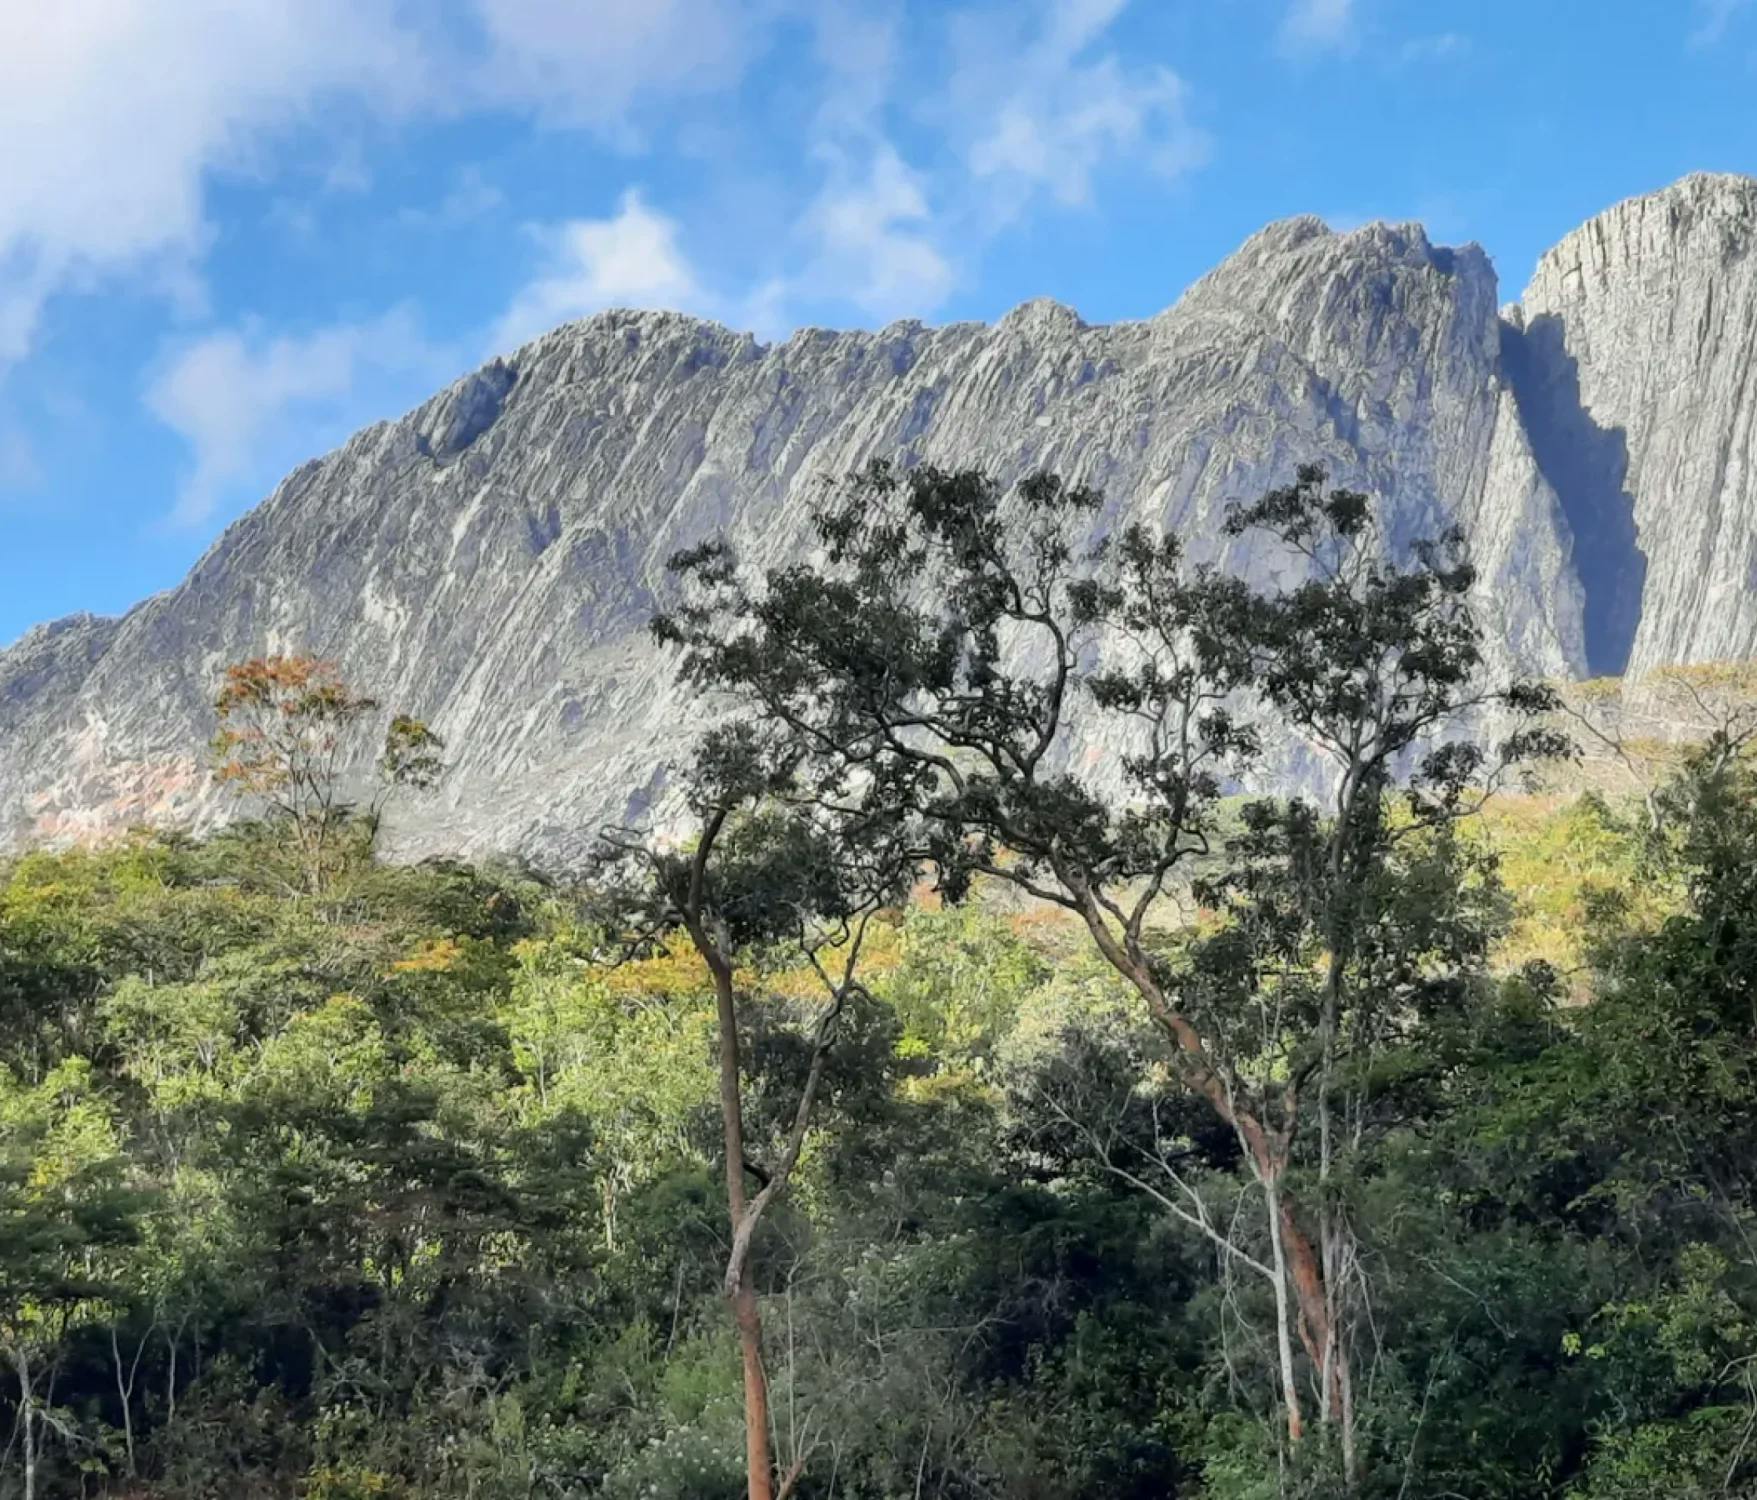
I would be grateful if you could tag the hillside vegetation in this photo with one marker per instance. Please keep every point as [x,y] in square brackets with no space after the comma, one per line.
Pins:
[1176,1142]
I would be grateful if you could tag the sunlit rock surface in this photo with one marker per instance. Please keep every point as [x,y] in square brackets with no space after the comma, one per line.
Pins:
[489,561]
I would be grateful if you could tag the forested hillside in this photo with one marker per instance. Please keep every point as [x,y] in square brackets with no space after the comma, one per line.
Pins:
[1186,1142]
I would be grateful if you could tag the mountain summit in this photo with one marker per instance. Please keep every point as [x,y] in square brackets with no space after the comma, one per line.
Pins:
[490,560]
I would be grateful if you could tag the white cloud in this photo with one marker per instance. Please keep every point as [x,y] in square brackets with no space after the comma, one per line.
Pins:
[231,395]
[1033,109]
[629,260]
[765,310]
[873,234]
[471,196]
[128,105]
[348,173]
[1444,46]
[593,62]
[1053,115]
[1110,114]
[1313,26]
[1713,17]
[857,48]
[20,467]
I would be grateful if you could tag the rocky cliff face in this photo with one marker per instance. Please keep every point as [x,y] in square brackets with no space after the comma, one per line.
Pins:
[1643,328]
[490,560]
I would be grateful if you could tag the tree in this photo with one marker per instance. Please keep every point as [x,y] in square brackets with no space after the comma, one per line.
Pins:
[65,1211]
[774,862]
[410,761]
[294,1205]
[1379,667]
[933,659]
[1640,733]
[289,727]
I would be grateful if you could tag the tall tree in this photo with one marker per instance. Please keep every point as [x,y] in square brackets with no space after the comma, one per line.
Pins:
[1379,667]
[66,1213]
[934,656]
[774,863]
[289,725]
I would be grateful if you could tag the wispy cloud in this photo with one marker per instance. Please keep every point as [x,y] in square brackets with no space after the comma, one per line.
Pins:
[631,259]
[1713,18]
[1057,111]
[1035,109]
[595,62]
[20,467]
[471,197]
[1444,46]
[1041,107]
[873,234]
[132,107]
[231,393]
[1311,27]
[129,106]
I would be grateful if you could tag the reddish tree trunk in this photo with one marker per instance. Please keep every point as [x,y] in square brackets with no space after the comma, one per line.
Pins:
[1269,1152]
[759,1472]
[759,1481]
[1308,1287]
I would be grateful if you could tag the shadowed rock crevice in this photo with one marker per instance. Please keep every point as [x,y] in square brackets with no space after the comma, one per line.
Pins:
[1587,466]
[473,406]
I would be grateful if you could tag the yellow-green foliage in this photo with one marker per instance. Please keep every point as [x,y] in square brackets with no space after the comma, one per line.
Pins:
[1558,858]
[629,1049]
[404,1190]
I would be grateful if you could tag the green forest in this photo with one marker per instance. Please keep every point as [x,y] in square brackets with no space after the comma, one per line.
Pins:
[919,1109]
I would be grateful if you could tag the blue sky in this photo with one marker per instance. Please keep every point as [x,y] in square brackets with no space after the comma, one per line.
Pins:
[232,231]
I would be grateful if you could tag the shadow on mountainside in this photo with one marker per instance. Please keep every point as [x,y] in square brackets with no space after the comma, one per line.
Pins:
[1586,465]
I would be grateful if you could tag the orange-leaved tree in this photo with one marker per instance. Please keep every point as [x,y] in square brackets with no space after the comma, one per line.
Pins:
[289,728]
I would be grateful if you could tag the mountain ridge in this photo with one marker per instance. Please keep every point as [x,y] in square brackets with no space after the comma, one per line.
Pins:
[489,559]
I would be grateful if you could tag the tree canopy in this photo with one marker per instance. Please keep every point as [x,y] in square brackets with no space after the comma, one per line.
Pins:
[920,1107]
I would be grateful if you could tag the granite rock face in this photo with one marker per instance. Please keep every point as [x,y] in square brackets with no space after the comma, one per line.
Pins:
[489,561]
[1644,323]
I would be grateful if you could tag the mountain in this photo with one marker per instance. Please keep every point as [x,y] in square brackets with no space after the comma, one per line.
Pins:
[1640,331]
[489,561]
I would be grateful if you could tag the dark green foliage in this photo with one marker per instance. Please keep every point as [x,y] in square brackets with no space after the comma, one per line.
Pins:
[405,1191]
[343,1253]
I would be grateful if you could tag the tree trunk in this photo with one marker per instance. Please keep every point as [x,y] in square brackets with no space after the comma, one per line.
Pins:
[1296,1258]
[759,1471]
[1307,1273]
[125,1391]
[1345,1392]
[1283,1314]
[171,1342]
[27,1416]
[1336,1382]
[759,1481]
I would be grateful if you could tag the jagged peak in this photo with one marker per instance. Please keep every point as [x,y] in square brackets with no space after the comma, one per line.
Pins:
[1696,187]
[1286,234]
[1713,212]
[41,634]
[1042,314]
[619,322]
[1307,236]
[1304,250]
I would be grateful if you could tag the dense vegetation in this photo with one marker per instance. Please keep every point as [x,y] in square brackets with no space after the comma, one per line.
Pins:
[323,1176]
